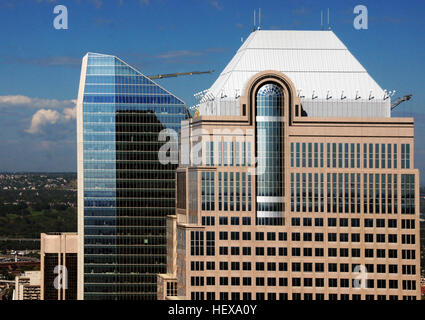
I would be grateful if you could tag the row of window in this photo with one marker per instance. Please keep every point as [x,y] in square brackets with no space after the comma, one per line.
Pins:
[228,153]
[234,191]
[304,282]
[224,221]
[406,254]
[147,88]
[198,243]
[319,252]
[348,155]
[196,295]
[346,191]
[318,267]
[142,99]
[355,223]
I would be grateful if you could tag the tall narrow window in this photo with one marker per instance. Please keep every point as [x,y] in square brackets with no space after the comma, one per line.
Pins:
[297,161]
[403,156]
[220,196]
[376,155]
[232,193]
[364,155]
[316,155]
[395,156]
[243,191]
[238,154]
[395,184]
[249,154]
[328,154]
[292,193]
[225,188]
[383,156]
[270,154]
[220,154]
[407,156]
[238,192]
[390,193]
[292,155]
[358,155]
[310,155]
[249,193]
[340,155]
[322,197]
[225,159]
[232,156]
[243,153]
[370,155]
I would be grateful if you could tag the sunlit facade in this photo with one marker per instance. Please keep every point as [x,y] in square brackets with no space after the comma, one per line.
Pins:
[300,195]
[124,192]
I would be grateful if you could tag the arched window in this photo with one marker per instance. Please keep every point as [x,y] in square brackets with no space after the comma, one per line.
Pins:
[270,153]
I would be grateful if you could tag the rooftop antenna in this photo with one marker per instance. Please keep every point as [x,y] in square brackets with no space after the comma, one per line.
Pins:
[259,18]
[254,21]
[321,19]
[329,27]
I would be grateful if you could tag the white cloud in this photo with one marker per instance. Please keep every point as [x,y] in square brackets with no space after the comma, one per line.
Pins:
[41,118]
[37,103]
[70,113]
[50,111]
[45,117]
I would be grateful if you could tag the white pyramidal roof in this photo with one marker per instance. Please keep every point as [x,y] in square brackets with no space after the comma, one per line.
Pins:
[318,63]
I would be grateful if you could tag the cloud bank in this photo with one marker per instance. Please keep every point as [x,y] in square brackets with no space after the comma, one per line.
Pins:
[50,111]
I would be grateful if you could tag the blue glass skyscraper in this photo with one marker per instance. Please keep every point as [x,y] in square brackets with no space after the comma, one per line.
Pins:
[124,192]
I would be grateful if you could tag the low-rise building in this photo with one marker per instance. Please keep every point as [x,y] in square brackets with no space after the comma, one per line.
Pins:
[58,260]
[27,286]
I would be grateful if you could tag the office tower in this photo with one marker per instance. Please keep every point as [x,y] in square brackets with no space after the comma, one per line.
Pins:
[306,189]
[27,286]
[124,191]
[58,264]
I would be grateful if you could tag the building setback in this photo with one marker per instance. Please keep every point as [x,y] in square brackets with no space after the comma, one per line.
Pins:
[58,266]
[306,188]
[27,286]
[124,192]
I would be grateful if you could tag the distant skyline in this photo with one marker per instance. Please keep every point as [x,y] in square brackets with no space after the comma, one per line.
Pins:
[40,66]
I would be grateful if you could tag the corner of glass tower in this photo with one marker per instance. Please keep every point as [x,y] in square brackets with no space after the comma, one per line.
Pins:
[124,192]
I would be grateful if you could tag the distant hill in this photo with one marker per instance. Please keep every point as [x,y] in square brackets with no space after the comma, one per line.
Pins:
[32,203]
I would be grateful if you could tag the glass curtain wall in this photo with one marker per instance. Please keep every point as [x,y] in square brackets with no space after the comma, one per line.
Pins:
[127,192]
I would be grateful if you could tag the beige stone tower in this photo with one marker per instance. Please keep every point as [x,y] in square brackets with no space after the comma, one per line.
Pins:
[305,186]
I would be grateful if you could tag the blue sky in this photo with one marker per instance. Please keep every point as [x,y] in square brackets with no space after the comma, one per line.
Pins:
[40,66]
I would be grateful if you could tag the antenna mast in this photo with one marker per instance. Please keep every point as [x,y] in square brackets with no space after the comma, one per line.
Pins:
[259,18]
[329,27]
